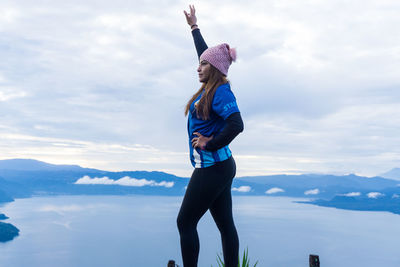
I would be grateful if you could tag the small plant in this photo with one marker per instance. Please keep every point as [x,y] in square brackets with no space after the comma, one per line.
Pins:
[245,260]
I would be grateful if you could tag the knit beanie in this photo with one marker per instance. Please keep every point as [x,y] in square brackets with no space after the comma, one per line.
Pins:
[220,56]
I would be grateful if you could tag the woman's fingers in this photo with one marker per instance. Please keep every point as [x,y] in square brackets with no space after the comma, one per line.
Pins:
[190,16]
[199,140]
[187,16]
[195,143]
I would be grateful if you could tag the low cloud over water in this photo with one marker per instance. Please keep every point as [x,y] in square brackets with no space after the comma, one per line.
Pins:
[124,181]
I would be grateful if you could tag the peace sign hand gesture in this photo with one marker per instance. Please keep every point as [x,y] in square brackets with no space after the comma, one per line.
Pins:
[191,17]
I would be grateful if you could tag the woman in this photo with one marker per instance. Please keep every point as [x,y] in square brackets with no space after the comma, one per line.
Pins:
[213,122]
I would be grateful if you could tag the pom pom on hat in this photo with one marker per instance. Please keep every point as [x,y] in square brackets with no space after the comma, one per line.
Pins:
[220,56]
[232,53]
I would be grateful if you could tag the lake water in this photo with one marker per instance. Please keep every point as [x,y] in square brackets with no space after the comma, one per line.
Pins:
[85,231]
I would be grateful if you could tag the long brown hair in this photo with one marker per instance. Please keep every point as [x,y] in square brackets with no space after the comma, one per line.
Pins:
[203,108]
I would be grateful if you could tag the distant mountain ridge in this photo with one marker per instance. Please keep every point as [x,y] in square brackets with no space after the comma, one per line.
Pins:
[36,165]
[392,174]
[25,178]
[383,203]
[22,178]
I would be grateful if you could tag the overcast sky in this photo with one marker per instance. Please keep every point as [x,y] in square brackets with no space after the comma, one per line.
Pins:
[103,84]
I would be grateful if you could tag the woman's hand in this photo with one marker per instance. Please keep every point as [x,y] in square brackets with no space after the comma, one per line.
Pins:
[191,17]
[200,141]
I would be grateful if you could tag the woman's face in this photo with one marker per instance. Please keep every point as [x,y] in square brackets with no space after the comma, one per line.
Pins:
[204,71]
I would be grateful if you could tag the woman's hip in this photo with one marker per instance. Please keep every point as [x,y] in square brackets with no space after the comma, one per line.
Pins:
[225,168]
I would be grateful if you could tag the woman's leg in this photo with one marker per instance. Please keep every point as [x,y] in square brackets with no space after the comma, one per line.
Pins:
[221,210]
[205,185]
[192,209]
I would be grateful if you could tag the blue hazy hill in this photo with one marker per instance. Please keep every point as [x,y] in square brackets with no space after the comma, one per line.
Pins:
[24,178]
[392,174]
[4,187]
[36,165]
[390,203]
[328,185]
[5,197]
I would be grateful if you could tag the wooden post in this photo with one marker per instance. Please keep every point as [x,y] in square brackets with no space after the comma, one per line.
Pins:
[314,261]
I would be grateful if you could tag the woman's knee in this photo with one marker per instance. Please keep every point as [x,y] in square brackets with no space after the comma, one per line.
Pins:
[182,223]
[185,224]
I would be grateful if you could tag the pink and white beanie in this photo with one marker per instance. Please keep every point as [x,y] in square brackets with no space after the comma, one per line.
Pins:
[220,56]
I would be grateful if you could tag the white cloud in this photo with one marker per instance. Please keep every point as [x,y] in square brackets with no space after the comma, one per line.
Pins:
[243,188]
[124,181]
[10,93]
[274,190]
[312,192]
[322,89]
[396,196]
[8,15]
[65,150]
[352,194]
[374,194]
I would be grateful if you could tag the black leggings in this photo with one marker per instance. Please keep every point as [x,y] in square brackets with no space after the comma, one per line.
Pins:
[209,188]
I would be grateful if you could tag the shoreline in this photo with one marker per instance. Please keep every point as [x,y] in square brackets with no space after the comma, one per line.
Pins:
[7,230]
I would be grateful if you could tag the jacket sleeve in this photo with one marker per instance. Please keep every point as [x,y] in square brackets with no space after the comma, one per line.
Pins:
[199,42]
[233,126]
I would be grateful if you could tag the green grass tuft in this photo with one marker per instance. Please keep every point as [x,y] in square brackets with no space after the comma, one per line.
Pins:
[245,260]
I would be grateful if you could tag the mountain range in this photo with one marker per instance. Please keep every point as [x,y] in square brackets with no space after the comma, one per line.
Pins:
[20,178]
[392,174]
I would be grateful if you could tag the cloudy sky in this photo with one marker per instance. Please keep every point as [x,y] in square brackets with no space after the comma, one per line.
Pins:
[103,84]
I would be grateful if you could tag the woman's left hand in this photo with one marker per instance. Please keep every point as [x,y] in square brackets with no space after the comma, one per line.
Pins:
[191,18]
[200,141]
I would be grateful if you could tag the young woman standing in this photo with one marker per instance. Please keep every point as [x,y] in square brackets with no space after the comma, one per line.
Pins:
[213,122]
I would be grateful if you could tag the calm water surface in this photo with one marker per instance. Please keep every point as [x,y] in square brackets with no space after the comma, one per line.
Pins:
[85,231]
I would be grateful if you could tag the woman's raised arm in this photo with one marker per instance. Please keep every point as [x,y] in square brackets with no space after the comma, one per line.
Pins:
[199,42]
